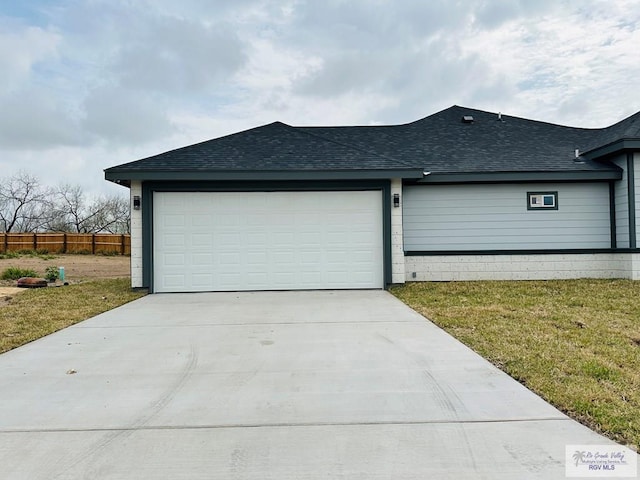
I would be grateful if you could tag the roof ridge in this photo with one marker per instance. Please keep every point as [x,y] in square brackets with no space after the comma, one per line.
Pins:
[353,147]
[506,116]
[634,125]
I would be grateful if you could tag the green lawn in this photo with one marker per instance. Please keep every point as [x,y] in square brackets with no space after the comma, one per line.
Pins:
[35,313]
[576,343]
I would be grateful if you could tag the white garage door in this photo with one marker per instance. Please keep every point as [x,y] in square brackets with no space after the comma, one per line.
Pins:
[227,241]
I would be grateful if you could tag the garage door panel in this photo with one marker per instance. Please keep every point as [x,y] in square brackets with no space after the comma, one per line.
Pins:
[362,257]
[174,220]
[176,240]
[230,278]
[176,259]
[230,259]
[200,220]
[255,239]
[201,240]
[282,261]
[311,259]
[170,281]
[225,241]
[201,280]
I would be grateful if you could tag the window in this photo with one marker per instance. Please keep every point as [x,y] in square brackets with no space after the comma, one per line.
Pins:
[542,200]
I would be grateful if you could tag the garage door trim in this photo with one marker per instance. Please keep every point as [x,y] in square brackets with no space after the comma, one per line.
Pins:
[148,188]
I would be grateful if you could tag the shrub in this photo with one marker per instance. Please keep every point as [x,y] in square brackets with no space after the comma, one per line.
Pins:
[81,252]
[108,253]
[9,254]
[51,274]
[42,253]
[14,273]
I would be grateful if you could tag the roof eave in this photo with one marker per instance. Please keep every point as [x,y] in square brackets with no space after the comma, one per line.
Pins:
[613,148]
[124,177]
[521,177]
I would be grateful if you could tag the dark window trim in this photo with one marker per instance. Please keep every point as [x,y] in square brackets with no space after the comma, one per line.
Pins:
[631,196]
[575,251]
[612,215]
[543,207]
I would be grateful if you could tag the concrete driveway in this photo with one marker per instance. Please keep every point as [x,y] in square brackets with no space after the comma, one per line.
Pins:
[270,385]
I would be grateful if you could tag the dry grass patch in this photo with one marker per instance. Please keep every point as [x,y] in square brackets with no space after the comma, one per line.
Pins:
[576,343]
[35,313]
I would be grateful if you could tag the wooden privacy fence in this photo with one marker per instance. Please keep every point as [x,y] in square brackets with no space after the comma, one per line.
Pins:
[66,242]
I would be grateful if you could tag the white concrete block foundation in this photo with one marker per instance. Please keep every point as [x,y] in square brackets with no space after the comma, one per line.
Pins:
[522,267]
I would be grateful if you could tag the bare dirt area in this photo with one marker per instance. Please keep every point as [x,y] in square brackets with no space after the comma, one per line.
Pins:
[9,291]
[77,268]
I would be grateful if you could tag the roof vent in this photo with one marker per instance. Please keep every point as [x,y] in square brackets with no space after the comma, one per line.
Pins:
[467,119]
[578,158]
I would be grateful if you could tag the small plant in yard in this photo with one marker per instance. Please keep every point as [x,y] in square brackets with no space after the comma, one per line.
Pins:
[42,253]
[108,253]
[51,274]
[82,252]
[14,273]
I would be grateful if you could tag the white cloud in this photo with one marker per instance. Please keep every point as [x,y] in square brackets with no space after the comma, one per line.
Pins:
[33,119]
[90,84]
[121,116]
[181,56]
[574,68]
[22,48]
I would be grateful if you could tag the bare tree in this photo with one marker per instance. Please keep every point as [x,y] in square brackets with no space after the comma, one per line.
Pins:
[73,212]
[24,204]
[112,215]
[27,206]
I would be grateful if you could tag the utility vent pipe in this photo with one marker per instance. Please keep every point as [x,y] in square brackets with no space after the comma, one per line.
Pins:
[578,158]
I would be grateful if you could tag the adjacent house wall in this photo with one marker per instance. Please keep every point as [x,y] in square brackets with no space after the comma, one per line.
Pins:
[495,217]
[136,238]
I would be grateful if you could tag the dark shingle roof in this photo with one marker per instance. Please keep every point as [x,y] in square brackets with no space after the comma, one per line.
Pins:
[272,152]
[443,143]
[440,143]
[276,146]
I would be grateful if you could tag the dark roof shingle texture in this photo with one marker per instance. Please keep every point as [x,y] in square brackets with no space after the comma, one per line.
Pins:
[276,146]
[439,143]
[443,143]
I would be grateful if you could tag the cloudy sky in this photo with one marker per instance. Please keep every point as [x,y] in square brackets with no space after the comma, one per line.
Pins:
[88,84]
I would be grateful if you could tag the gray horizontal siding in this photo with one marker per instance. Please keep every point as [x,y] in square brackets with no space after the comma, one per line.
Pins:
[495,217]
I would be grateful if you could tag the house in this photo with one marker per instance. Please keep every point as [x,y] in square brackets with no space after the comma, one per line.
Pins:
[463,194]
